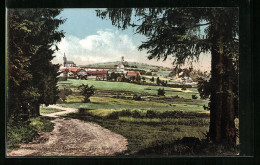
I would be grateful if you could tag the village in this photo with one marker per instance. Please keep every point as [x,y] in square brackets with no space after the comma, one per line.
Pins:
[123,72]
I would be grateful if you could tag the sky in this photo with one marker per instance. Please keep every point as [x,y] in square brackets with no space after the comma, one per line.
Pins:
[89,39]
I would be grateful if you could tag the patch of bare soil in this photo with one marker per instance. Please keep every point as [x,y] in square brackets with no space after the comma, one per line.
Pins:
[73,137]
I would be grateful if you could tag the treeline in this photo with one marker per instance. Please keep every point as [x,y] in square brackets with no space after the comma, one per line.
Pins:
[32,78]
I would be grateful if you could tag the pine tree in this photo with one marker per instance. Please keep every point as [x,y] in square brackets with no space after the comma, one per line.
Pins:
[31,43]
[176,32]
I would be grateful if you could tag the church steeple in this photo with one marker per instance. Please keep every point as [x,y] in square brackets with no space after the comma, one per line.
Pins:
[64,60]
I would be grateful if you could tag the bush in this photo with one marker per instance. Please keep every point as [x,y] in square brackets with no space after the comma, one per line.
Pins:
[63,94]
[161,92]
[25,131]
[125,113]
[194,97]
[136,114]
[86,91]
[137,97]
[113,115]
[149,73]
[151,114]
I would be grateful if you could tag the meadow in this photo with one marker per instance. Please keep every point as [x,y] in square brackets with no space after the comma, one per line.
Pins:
[153,125]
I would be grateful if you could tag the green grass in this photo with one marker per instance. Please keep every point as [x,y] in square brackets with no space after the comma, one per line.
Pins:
[48,110]
[127,87]
[23,132]
[144,133]
[120,104]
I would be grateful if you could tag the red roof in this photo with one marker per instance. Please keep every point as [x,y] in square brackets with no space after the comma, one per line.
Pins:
[133,73]
[97,72]
[70,69]
[154,70]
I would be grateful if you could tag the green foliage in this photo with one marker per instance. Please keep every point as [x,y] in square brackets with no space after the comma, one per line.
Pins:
[32,78]
[194,96]
[175,32]
[137,97]
[204,88]
[161,92]
[152,79]
[63,94]
[19,132]
[158,81]
[86,91]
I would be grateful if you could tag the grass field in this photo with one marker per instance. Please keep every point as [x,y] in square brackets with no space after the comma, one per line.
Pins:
[154,124]
[128,87]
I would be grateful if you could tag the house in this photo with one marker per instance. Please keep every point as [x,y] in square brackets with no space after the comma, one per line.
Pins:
[82,74]
[154,70]
[98,75]
[131,74]
[71,72]
[120,67]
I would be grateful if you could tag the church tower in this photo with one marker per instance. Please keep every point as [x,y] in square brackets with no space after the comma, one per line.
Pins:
[64,60]
[122,60]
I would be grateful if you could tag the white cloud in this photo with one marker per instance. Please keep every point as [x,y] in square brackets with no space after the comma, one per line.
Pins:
[107,46]
[104,46]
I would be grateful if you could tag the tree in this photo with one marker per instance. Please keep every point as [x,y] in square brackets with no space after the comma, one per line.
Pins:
[158,81]
[161,92]
[176,32]
[152,79]
[32,78]
[86,91]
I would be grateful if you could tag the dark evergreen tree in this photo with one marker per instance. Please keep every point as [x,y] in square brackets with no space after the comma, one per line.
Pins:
[176,32]
[32,39]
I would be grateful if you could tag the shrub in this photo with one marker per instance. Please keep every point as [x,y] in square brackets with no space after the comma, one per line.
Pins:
[137,97]
[63,94]
[149,73]
[113,115]
[194,97]
[25,131]
[136,114]
[86,91]
[125,113]
[151,114]
[161,92]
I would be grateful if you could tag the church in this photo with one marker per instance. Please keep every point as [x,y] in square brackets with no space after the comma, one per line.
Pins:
[68,64]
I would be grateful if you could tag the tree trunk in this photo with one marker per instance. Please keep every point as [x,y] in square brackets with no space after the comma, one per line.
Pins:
[222,127]
[216,81]
[228,127]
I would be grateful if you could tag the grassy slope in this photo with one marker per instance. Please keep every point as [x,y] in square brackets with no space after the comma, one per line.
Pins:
[130,87]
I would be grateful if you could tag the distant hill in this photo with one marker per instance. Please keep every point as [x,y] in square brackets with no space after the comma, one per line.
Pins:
[141,66]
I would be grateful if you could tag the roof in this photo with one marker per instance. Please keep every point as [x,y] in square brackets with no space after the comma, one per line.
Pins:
[154,70]
[98,72]
[133,73]
[69,62]
[70,69]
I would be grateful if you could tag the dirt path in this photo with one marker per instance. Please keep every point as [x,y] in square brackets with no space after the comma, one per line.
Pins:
[72,137]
